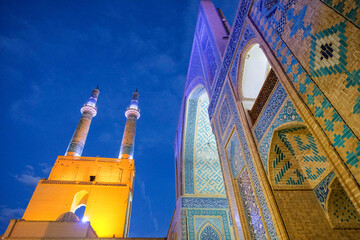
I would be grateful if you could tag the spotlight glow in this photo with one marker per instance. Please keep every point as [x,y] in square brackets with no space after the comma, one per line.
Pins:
[85,219]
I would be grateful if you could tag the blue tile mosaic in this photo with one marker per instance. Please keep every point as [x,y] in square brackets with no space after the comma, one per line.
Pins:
[247,156]
[287,114]
[322,189]
[193,214]
[252,212]
[233,42]
[224,116]
[198,202]
[323,111]
[235,155]
[245,38]
[267,115]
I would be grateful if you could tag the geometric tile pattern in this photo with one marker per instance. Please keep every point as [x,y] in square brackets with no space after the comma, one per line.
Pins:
[224,115]
[297,160]
[195,217]
[189,145]
[337,131]
[184,224]
[341,210]
[270,111]
[262,204]
[235,155]
[209,232]
[286,114]
[245,38]
[252,213]
[298,22]
[197,202]
[350,9]
[207,169]
[208,46]
[195,68]
[209,53]
[230,190]
[229,53]
[322,189]
[327,56]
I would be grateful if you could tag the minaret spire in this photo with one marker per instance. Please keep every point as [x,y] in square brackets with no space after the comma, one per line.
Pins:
[88,111]
[132,114]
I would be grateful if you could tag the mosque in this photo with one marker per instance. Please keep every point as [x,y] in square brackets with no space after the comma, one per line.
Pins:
[268,138]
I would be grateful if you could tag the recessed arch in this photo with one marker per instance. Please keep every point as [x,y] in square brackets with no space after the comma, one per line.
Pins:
[202,171]
[298,167]
[296,160]
[340,210]
[209,231]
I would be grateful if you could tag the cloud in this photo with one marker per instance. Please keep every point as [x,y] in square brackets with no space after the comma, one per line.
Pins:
[45,168]
[7,213]
[28,179]
[29,176]
[148,203]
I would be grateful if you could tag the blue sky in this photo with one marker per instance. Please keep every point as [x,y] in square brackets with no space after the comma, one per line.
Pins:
[53,53]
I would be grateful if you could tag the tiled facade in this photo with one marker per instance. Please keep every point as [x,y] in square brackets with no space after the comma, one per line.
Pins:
[291,169]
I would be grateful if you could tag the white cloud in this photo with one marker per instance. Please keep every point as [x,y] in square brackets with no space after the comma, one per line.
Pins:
[45,168]
[29,176]
[28,179]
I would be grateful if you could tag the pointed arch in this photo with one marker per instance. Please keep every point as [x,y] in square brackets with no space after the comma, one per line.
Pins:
[202,170]
[208,231]
[255,70]
[256,80]
[296,160]
[341,211]
[80,199]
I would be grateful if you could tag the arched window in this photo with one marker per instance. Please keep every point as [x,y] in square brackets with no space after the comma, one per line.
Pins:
[256,69]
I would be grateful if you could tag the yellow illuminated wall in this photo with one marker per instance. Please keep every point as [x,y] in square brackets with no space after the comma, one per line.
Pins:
[107,197]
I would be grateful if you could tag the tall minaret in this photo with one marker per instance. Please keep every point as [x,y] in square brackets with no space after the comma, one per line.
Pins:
[88,111]
[132,114]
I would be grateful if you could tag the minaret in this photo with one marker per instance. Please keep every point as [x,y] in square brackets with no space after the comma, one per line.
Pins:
[88,111]
[104,186]
[128,141]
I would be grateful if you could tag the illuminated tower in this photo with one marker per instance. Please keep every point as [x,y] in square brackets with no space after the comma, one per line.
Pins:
[88,111]
[132,114]
[103,185]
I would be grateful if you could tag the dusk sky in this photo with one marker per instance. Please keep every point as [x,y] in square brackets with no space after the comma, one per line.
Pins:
[53,53]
